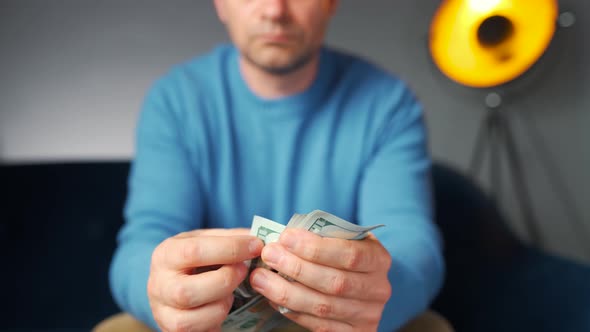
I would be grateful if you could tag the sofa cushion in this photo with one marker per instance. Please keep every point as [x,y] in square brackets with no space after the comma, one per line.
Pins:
[57,236]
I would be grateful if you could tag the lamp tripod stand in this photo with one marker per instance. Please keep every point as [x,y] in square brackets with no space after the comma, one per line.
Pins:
[494,133]
[495,136]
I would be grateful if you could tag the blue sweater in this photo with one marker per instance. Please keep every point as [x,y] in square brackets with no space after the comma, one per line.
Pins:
[210,153]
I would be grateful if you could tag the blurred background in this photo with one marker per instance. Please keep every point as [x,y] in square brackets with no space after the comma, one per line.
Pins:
[73,74]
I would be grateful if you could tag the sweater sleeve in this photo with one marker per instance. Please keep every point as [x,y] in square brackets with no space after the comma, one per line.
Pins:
[396,191]
[163,200]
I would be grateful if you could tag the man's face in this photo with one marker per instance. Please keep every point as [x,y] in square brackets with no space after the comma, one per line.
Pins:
[278,36]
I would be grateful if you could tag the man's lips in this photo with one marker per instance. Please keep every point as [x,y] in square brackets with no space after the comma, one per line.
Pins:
[276,38]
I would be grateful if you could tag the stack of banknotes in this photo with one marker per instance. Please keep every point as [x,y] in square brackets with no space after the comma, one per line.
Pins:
[251,312]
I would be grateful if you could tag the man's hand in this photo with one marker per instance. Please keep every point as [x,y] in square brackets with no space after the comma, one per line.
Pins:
[341,285]
[193,276]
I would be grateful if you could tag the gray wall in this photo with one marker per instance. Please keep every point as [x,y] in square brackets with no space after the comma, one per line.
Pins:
[73,74]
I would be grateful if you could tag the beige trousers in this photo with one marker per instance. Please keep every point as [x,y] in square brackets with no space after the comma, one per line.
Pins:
[429,321]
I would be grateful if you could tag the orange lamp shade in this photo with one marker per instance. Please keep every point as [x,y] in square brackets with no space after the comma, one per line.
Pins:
[486,43]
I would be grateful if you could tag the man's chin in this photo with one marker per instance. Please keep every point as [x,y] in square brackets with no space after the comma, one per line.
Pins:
[280,64]
[277,57]
[280,71]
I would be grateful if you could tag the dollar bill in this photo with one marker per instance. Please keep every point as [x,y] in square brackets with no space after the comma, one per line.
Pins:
[265,229]
[255,316]
[251,311]
[268,231]
[328,225]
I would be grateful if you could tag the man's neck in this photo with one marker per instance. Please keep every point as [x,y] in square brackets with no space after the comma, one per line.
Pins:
[273,86]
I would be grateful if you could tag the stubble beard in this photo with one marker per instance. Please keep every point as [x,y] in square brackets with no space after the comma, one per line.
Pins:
[298,62]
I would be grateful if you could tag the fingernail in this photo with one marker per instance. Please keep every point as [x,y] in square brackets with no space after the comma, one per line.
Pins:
[271,255]
[288,239]
[255,246]
[258,281]
[284,310]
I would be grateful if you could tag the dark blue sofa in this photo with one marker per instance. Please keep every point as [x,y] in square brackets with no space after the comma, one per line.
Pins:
[60,220]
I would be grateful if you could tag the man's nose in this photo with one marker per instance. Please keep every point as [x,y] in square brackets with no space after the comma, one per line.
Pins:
[275,9]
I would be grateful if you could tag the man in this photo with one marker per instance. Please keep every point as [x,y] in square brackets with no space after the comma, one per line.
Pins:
[273,125]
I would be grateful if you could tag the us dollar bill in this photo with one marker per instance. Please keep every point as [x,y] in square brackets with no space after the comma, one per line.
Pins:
[252,312]
[268,231]
[328,225]
[255,316]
